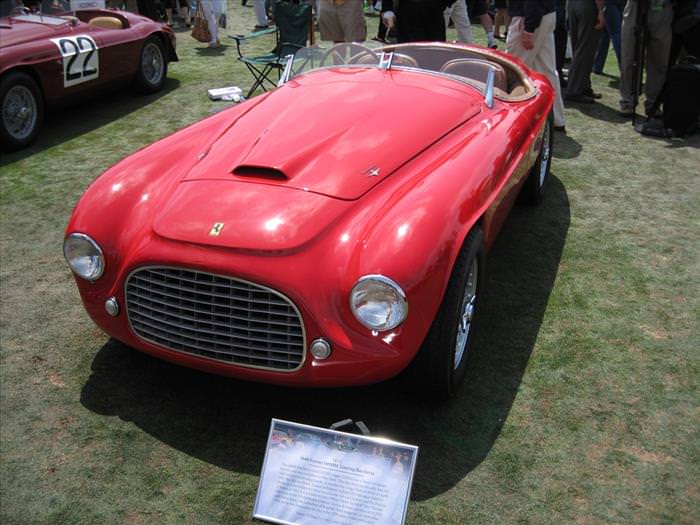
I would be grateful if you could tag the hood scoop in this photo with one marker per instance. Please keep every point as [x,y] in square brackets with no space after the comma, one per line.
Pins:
[259,172]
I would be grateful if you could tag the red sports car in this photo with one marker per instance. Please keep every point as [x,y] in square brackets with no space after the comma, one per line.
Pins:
[330,232]
[55,60]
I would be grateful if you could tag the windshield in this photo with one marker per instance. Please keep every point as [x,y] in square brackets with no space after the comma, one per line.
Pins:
[40,19]
[467,64]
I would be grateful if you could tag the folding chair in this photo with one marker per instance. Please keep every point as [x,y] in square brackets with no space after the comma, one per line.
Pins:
[294,26]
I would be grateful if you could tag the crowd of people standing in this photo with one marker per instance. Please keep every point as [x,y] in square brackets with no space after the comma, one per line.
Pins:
[537,31]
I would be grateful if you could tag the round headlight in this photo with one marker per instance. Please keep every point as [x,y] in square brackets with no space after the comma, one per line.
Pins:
[84,256]
[378,302]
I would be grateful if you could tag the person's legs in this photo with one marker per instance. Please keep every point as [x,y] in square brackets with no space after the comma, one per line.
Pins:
[601,54]
[328,24]
[658,51]
[184,10]
[478,9]
[542,57]
[501,18]
[352,20]
[545,61]
[486,21]
[582,18]
[560,36]
[212,22]
[613,26]
[458,12]
[260,13]
[627,49]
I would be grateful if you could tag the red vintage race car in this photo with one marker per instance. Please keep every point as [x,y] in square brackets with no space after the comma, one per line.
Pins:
[330,232]
[55,60]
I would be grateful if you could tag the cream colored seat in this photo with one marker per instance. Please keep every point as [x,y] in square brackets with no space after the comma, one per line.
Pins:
[477,69]
[519,91]
[106,22]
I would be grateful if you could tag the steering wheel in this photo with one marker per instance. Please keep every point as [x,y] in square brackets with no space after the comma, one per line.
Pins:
[20,10]
[346,53]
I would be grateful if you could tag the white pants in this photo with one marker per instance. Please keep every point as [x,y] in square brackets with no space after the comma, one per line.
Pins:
[260,12]
[213,9]
[541,57]
[458,13]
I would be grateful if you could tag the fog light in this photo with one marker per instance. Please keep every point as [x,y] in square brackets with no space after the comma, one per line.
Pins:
[112,306]
[321,349]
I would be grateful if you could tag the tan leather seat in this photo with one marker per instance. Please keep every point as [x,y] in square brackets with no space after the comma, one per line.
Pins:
[477,69]
[519,91]
[106,22]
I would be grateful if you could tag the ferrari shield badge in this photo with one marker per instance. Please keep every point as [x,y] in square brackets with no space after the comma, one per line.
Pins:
[216,229]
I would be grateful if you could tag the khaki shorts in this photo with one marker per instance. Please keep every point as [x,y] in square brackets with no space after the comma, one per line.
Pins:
[342,22]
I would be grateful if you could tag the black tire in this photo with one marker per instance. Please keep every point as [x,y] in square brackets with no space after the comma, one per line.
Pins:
[532,192]
[153,66]
[22,107]
[438,368]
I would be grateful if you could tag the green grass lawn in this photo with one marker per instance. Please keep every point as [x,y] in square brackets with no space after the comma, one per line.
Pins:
[580,405]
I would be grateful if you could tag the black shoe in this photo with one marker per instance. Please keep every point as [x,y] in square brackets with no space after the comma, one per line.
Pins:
[590,93]
[561,129]
[244,2]
[584,99]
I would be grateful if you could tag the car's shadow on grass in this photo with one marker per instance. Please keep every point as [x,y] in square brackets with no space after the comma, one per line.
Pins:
[64,124]
[226,422]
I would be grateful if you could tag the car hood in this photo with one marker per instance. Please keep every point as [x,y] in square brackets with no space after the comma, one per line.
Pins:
[286,169]
[16,32]
[338,133]
[246,216]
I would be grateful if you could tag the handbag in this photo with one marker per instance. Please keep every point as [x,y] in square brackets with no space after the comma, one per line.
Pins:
[200,26]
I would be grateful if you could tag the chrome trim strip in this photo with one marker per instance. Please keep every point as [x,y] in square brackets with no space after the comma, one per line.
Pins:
[490,79]
[287,70]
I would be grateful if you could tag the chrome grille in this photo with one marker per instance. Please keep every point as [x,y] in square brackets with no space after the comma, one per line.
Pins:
[215,316]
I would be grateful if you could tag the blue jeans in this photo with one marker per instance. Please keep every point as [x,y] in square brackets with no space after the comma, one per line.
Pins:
[612,33]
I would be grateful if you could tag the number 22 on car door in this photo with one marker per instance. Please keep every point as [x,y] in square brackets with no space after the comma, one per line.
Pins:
[81,61]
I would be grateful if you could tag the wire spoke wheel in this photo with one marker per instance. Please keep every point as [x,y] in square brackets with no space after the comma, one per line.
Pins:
[153,63]
[19,112]
[546,153]
[467,310]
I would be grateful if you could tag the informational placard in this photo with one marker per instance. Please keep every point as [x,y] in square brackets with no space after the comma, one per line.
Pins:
[76,5]
[315,476]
